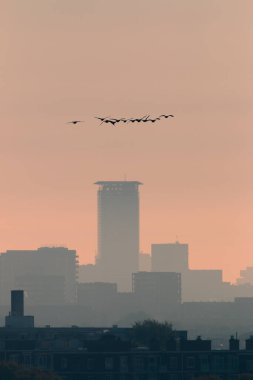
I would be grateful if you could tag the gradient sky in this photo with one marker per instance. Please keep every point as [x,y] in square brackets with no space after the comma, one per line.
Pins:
[65,59]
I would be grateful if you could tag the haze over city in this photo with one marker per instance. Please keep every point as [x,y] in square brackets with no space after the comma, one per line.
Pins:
[62,60]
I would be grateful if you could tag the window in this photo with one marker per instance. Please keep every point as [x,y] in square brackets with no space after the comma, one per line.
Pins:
[27,360]
[173,362]
[249,365]
[173,376]
[123,363]
[190,362]
[64,363]
[204,363]
[90,363]
[109,363]
[218,363]
[14,358]
[233,363]
[139,363]
[152,365]
[108,377]
[163,364]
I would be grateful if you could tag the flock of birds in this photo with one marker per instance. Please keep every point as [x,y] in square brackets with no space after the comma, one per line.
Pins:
[113,121]
[143,119]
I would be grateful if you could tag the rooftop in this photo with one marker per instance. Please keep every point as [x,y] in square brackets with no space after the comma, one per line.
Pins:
[116,183]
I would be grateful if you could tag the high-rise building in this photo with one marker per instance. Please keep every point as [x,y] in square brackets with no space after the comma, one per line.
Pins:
[118,231]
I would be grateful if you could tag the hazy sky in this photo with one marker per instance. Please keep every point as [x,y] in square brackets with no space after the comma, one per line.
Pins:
[65,59]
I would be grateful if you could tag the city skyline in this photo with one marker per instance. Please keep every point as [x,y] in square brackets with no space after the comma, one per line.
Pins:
[190,59]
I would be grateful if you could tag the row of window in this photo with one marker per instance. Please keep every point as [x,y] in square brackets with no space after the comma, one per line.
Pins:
[125,364]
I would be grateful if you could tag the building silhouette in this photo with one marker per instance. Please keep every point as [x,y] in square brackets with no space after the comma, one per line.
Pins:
[170,257]
[157,292]
[112,353]
[246,276]
[118,231]
[96,293]
[47,275]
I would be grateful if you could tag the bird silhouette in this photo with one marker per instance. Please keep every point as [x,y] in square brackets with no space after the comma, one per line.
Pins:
[112,121]
[117,120]
[74,122]
[102,119]
[145,118]
[132,120]
[166,116]
[141,119]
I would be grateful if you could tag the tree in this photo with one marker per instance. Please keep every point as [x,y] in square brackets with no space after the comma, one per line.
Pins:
[152,333]
[12,371]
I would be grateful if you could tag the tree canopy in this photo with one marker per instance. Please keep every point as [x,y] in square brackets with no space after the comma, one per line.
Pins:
[152,333]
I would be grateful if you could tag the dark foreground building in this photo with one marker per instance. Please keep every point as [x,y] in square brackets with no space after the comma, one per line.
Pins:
[109,354]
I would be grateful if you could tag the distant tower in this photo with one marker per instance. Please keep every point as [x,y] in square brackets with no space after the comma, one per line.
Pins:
[17,303]
[118,231]
[16,317]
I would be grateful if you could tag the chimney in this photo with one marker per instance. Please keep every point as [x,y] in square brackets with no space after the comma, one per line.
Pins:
[17,303]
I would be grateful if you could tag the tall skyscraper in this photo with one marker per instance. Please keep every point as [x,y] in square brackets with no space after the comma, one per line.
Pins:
[118,231]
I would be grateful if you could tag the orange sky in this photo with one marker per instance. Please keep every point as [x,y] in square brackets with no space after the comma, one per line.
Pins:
[65,59]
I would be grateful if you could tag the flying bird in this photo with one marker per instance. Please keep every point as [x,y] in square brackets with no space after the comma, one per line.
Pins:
[112,121]
[118,120]
[166,116]
[145,119]
[74,122]
[102,119]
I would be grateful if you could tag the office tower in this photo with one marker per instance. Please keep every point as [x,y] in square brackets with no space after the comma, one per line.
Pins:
[118,231]
[171,257]
[47,275]
[158,292]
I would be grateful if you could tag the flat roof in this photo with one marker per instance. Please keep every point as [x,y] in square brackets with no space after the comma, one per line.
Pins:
[118,183]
